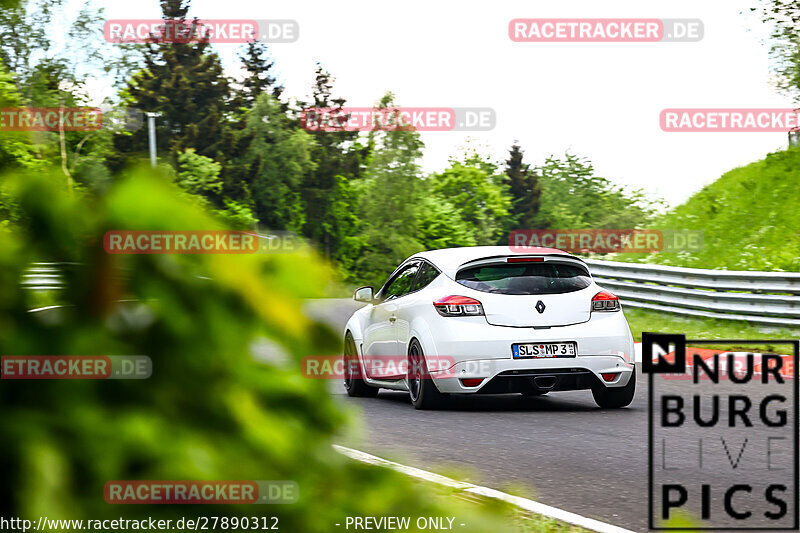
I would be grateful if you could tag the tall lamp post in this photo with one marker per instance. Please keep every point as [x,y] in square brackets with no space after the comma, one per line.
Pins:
[794,137]
[794,133]
[151,136]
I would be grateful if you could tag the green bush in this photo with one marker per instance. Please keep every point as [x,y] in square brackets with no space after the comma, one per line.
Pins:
[210,411]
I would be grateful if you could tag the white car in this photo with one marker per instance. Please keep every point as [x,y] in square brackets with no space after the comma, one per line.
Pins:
[487,319]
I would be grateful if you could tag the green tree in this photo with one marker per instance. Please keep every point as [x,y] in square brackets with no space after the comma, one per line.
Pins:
[199,175]
[16,149]
[574,197]
[523,185]
[337,155]
[276,157]
[784,15]
[389,197]
[185,84]
[47,74]
[439,226]
[477,195]
[28,51]
[258,66]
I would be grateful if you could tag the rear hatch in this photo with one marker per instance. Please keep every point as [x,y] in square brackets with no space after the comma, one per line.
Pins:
[530,292]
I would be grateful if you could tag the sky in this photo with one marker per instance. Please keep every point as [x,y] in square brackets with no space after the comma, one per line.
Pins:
[598,100]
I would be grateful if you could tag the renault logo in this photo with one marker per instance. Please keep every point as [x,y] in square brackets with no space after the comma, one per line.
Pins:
[540,307]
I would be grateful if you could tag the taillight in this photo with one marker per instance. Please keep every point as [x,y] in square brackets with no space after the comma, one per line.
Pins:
[610,376]
[605,301]
[458,306]
[524,259]
[471,382]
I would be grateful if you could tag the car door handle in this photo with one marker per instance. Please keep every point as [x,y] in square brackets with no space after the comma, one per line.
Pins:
[392,318]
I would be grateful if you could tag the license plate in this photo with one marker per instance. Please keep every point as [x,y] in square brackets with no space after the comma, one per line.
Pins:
[544,350]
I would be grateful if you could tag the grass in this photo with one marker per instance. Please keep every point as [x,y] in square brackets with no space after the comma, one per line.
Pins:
[749,219]
[708,328]
[541,524]
[520,521]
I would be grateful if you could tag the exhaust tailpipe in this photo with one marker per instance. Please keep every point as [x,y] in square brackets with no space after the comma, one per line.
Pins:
[545,382]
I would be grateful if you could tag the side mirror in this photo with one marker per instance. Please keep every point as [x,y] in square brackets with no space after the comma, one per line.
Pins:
[363,294]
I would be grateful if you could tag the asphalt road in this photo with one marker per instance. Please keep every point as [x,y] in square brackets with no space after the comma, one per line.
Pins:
[561,448]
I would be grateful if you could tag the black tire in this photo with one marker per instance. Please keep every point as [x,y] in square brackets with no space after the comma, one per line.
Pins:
[421,388]
[614,398]
[355,386]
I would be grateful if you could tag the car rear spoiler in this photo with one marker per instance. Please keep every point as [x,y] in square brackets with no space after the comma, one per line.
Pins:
[504,258]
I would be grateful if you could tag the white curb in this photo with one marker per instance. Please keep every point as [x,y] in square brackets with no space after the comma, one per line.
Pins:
[523,503]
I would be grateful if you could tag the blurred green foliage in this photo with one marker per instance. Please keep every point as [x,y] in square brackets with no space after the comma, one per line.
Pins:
[683,521]
[210,411]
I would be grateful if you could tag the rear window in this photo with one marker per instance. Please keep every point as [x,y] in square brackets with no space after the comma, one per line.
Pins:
[529,278]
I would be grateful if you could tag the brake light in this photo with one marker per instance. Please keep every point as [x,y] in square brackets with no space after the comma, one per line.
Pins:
[525,259]
[458,306]
[605,301]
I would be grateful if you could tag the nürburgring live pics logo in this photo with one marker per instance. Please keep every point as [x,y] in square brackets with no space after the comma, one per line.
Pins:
[723,435]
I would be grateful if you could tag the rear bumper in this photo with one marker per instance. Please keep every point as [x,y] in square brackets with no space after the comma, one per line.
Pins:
[478,350]
[473,339]
[515,375]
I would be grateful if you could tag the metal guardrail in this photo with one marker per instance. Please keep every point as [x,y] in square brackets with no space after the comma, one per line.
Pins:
[768,298]
[43,277]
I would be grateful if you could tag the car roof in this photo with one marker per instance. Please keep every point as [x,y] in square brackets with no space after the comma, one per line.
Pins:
[449,260]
